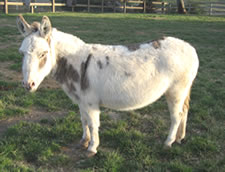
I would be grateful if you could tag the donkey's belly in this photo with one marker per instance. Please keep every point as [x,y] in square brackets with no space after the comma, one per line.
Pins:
[126,106]
[130,99]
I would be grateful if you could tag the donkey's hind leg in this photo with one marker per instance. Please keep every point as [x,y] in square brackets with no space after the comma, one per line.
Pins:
[182,127]
[175,99]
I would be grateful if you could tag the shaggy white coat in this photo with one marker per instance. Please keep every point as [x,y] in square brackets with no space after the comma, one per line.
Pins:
[118,78]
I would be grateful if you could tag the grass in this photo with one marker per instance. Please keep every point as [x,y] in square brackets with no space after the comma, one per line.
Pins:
[16,101]
[135,141]
[38,143]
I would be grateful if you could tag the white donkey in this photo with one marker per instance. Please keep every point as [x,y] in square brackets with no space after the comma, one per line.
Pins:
[113,76]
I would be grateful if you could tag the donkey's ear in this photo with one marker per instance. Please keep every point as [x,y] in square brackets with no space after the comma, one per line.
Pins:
[23,26]
[46,27]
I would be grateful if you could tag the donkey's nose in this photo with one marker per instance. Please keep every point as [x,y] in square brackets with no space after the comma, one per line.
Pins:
[29,85]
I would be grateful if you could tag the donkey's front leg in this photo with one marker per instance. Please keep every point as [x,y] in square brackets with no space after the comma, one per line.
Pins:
[92,116]
[84,142]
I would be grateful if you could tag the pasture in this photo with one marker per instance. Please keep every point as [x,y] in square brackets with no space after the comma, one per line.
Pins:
[39,131]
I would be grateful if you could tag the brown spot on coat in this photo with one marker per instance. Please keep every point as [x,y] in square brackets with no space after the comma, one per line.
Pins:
[127,74]
[42,62]
[107,60]
[61,70]
[71,87]
[99,64]
[156,43]
[72,73]
[133,47]
[66,72]
[84,83]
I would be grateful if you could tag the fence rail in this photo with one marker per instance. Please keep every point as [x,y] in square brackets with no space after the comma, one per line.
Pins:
[210,8]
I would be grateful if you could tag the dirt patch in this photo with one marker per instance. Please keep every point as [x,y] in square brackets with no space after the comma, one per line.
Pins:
[7,74]
[35,115]
[76,156]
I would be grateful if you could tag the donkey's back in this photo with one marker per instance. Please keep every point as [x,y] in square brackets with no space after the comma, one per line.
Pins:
[135,77]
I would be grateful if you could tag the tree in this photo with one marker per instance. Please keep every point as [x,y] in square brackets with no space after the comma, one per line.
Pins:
[180,7]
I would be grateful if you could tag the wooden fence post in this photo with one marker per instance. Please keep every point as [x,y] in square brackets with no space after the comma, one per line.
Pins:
[144,6]
[125,6]
[53,6]
[88,6]
[210,9]
[162,8]
[32,9]
[6,7]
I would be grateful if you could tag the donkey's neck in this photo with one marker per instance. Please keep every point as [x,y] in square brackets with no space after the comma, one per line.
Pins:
[69,51]
[66,44]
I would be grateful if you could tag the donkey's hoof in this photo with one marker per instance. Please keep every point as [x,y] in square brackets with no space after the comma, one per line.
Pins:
[179,141]
[89,154]
[83,144]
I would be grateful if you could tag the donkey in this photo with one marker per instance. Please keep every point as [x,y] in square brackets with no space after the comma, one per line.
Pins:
[113,76]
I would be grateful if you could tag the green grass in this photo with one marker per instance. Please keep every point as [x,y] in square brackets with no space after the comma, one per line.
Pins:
[15,100]
[135,142]
[38,143]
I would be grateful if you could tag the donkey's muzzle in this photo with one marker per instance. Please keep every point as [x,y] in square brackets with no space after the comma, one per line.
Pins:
[28,85]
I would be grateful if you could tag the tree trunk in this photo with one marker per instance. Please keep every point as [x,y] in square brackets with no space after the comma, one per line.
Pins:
[180,7]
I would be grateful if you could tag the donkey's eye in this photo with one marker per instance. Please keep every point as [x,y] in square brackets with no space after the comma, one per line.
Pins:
[43,54]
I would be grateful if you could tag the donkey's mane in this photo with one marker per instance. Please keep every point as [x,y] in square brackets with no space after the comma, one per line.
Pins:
[35,26]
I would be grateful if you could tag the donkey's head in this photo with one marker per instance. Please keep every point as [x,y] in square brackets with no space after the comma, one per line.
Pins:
[36,49]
